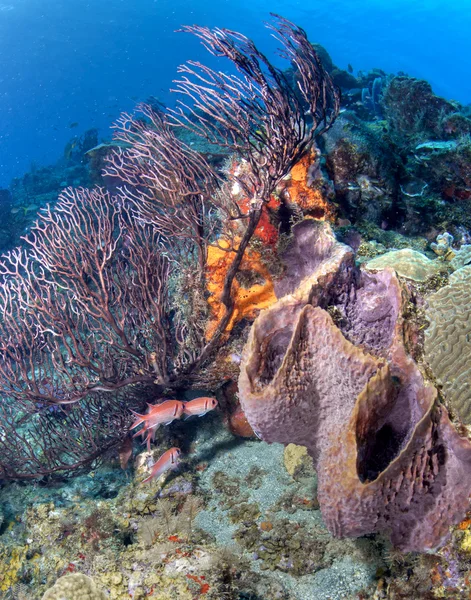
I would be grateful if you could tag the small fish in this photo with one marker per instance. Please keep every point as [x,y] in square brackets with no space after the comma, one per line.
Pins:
[349,68]
[165,413]
[168,461]
[199,406]
[158,414]
[73,125]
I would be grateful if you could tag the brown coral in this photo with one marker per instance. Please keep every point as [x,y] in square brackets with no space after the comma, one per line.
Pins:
[388,459]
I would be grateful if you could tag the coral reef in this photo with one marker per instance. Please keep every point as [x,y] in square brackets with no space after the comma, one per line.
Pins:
[387,458]
[221,526]
[215,231]
[414,113]
[363,167]
[41,185]
[444,169]
[447,341]
[399,157]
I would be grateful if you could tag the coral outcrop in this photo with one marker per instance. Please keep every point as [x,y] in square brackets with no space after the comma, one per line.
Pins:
[74,586]
[408,263]
[327,369]
[363,167]
[447,346]
[413,111]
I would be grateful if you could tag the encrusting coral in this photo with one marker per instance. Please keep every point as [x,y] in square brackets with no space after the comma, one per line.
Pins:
[327,369]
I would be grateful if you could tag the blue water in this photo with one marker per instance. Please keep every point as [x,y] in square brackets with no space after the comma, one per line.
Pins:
[66,62]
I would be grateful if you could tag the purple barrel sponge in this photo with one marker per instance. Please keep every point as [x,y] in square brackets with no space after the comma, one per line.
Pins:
[327,369]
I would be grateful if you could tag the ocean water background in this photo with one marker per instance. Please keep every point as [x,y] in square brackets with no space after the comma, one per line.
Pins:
[76,63]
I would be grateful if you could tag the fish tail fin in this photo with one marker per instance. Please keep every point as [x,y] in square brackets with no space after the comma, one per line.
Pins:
[140,419]
[258,434]
[154,474]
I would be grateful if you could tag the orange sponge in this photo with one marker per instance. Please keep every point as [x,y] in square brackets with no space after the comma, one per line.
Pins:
[309,199]
[249,298]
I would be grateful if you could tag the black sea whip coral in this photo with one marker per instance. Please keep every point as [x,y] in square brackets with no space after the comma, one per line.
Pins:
[90,328]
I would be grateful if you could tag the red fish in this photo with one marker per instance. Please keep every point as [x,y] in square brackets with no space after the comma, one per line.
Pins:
[158,414]
[165,412]
[168,461]
[199,406]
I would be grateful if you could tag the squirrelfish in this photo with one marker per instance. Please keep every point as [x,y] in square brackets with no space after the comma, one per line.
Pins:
[199,406]
[165,413]
[168,461]
[158,414]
